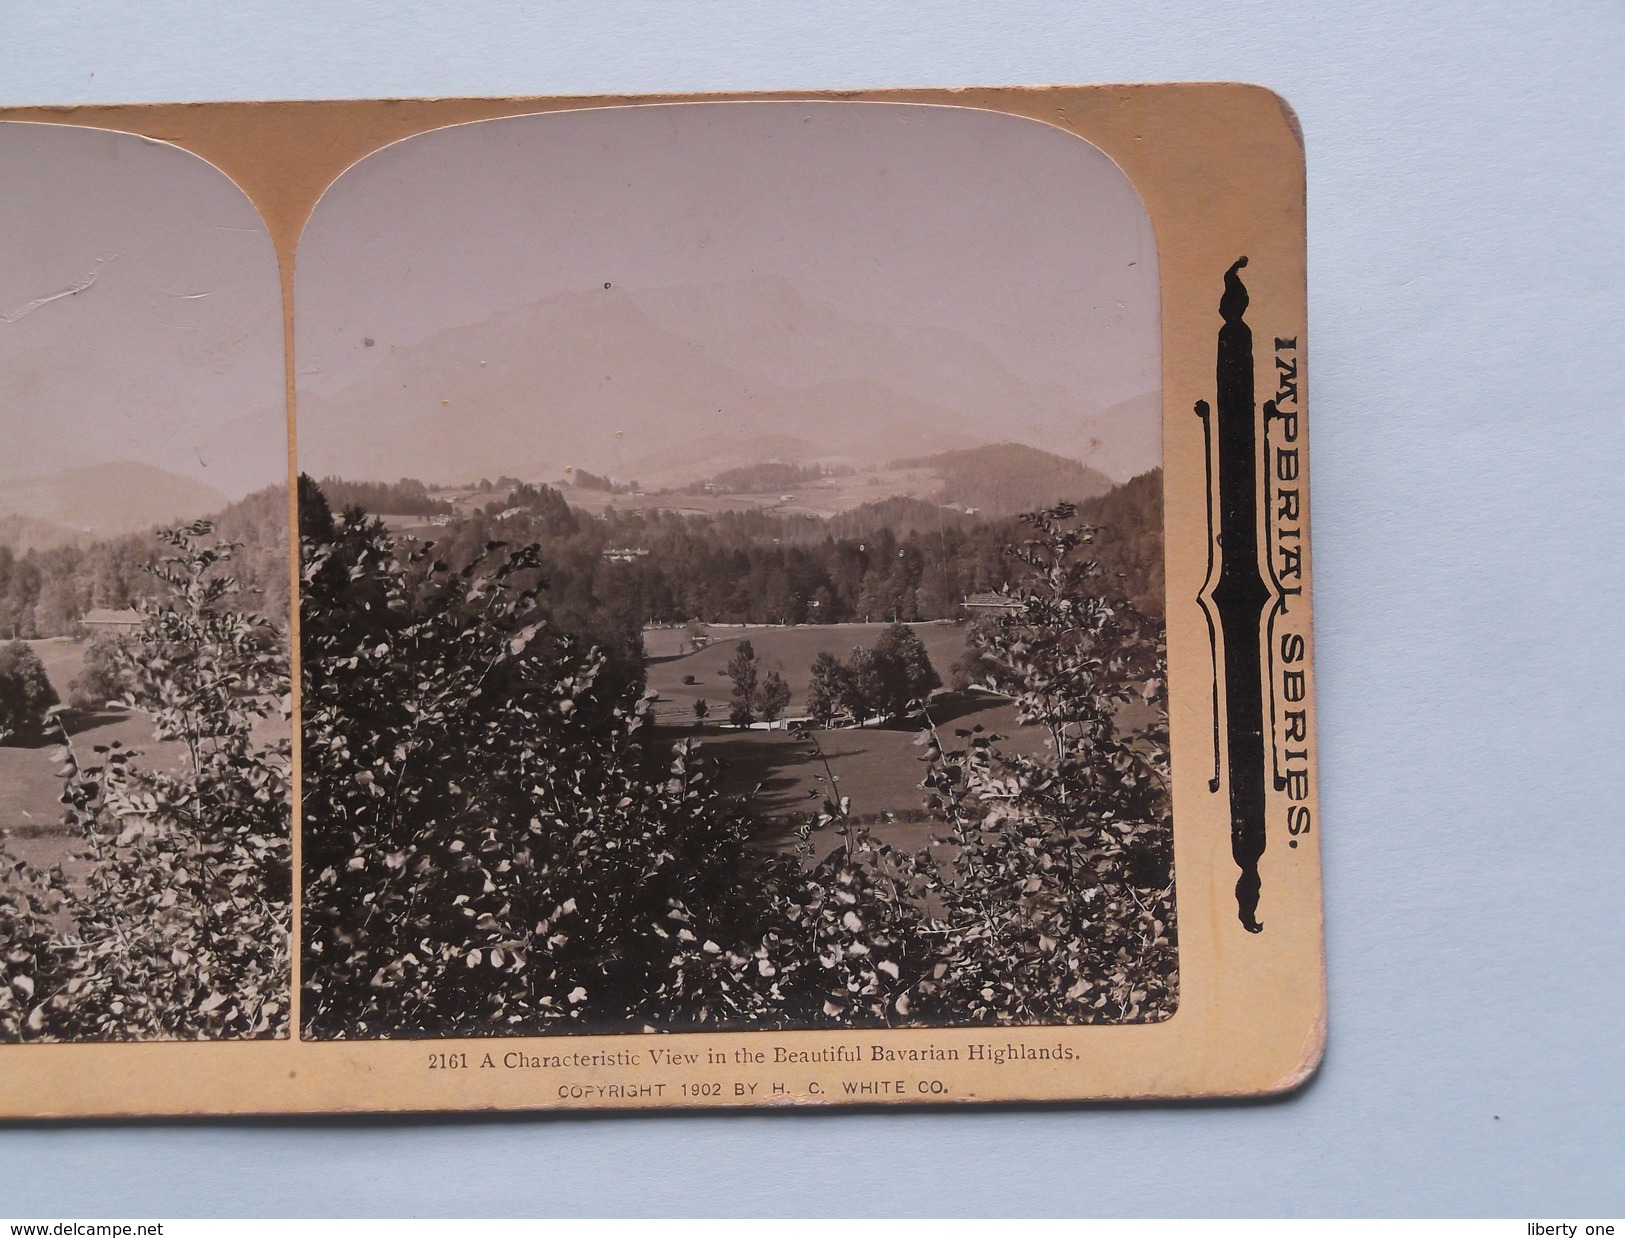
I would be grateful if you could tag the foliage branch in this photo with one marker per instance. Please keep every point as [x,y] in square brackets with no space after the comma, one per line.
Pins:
[170,918]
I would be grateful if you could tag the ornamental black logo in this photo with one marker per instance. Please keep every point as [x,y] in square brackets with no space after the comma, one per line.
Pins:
[1254,577]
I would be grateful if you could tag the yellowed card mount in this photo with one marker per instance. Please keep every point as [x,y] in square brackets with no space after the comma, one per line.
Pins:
[644,602]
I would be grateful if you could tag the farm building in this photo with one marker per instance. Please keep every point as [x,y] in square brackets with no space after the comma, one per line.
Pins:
[991,604]
[101,619]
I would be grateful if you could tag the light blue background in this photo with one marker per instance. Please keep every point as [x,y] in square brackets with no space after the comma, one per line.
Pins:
[1466,277]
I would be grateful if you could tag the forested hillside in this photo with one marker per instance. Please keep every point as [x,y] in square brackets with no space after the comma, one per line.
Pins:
[773,475]
[1006,479]
[898,559]
[407,497]
[109,500]
[24,533]
[46,592]
[1129,545]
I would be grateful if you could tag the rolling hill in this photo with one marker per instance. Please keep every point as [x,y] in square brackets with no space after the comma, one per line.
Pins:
[1006,478]
[23,533]
[102,501]
[671,385]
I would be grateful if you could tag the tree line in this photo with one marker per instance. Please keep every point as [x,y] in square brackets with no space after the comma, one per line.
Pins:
[889,680]
[46,593]
[899,560]
[407,497]
[768,476]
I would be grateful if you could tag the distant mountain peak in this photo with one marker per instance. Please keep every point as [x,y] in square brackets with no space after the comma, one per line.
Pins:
[627,382]
[109,499]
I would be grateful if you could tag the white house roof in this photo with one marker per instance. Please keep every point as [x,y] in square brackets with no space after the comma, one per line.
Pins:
[113,618]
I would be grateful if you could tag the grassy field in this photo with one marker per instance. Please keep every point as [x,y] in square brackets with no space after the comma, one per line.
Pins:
[30,814]
[878,767]
[790,651]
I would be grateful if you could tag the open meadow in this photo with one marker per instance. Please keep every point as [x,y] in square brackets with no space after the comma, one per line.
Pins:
[30,811]
[788,650]
[30,814]
[878,766]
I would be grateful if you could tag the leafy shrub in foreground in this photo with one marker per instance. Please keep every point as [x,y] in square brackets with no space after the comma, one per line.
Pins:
[1051,898]
[171,919]
[1058,899]
[493,842]
[489,844]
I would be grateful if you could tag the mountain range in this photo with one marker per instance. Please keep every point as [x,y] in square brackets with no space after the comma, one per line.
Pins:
[98,501]
[670,385]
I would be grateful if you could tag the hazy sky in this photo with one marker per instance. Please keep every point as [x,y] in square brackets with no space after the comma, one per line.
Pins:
[963,224]
[170,352]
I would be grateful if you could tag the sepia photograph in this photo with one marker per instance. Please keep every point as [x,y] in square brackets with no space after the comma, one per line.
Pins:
[821,532]
[145,870]
[685,601]
[732,578]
